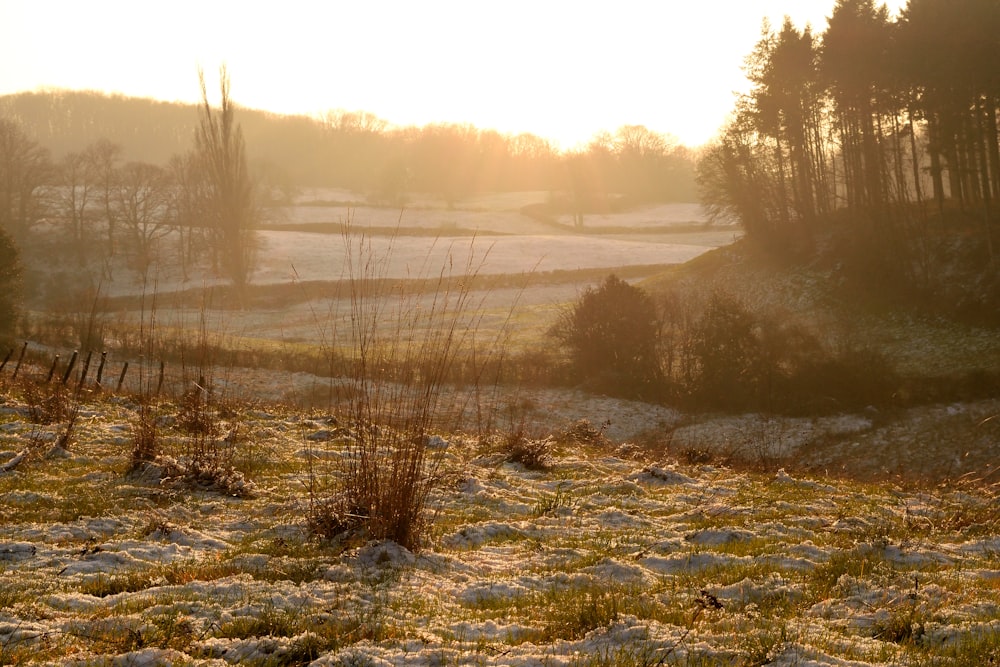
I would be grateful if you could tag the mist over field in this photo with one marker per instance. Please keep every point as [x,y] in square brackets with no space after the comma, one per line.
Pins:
[288,390]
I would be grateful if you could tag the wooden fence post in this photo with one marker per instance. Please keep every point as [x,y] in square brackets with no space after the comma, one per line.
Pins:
[69,368]
[52,370]
[24,349]
[121,378]
[83,371]
[100,368]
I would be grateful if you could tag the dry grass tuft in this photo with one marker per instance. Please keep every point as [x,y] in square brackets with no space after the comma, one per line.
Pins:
[532,453]
[406,348]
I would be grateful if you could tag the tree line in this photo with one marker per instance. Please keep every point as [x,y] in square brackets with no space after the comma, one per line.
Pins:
[115,177]
[891,120]
[101,204]
[364,153]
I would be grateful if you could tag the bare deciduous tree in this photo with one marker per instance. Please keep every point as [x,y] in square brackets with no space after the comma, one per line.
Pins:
[86,181]
[104,156]
[188,202]
[24,172]
[72,197]
[142,206]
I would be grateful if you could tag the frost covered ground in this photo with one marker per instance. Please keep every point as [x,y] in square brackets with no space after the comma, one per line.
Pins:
[491,235]
[658,539]
[617,553]
[298,299]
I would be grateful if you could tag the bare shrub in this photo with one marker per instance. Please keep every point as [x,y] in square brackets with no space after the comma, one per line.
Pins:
[68,435]
[583,433]
[194,414]
[332,516]
[202,460]
[47,402]
[406,346]
[145,437]
[532,453]
[762,443]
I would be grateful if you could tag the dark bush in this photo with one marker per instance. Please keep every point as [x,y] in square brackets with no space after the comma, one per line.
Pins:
[533,454]
[746,361]
[611,335]
[728,354]
[722,355]
[850,378]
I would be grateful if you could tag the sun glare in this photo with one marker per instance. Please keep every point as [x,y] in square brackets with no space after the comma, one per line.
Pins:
[563,71]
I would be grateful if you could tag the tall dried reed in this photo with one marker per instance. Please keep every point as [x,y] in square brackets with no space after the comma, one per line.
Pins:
[405,348]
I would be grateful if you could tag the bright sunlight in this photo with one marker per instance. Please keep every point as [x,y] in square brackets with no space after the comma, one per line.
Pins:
[561,70]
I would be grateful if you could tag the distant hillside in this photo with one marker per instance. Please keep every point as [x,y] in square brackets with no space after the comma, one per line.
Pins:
[359,151]
[153,131]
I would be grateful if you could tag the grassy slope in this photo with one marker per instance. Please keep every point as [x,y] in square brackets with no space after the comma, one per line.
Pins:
[820,296]
[942,420]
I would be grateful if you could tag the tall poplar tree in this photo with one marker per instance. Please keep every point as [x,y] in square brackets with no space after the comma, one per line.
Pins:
[231,205]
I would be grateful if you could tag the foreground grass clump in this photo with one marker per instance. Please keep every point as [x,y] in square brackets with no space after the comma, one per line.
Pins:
[591,560]
[395,396]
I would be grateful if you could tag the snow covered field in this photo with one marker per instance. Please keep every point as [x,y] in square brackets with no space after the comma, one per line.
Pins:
[614,555]
[549,265]
[321,256]
[646,543]
[493,242]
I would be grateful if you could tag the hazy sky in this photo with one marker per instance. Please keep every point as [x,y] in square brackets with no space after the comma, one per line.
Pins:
[559,69]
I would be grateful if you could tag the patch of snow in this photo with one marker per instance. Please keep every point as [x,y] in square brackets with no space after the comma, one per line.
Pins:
[719,537]
[489,591]
[657,475]
[13,551]
[381,555]
[614,570]
[100,563]
[748,591]
[692,562]
[473,536]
